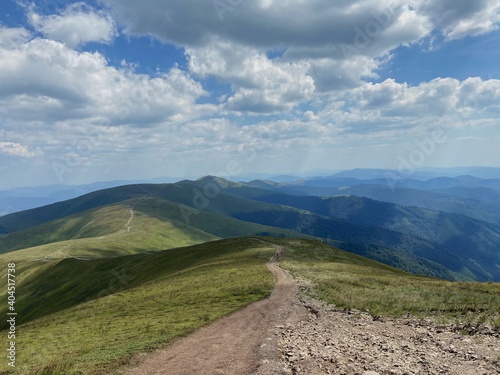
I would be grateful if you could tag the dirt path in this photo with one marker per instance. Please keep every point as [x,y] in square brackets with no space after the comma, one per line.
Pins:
[234,344]
[289,334]
[127,225]
[132,213]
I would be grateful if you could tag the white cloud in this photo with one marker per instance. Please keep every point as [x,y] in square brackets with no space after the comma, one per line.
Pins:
[75,26]
[44,80]
[326,45]
[479,96]
[389,105]
[19,150]
[309,116]
[300,69]
[460,18]
[328,36]
[11,38]
[330,74]
[296,23]
[393,99]
[260,85]
[302,24]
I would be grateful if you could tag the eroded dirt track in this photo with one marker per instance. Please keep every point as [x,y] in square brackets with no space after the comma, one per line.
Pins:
[232,345]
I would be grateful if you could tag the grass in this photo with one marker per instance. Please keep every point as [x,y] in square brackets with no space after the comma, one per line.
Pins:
[97,316]
[353,282]
[75,240]
[154,299]
[103,228]
[215,223]
[101,232]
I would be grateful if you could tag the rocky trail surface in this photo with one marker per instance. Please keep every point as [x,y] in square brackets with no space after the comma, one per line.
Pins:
[331,341]
[289,333]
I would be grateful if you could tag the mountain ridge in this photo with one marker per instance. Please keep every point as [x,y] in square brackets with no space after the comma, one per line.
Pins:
[213,204]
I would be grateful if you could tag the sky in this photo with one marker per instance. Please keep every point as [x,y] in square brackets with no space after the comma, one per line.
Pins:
[124,89]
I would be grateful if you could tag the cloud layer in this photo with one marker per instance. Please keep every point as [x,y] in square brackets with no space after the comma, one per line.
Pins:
[45,80]
[276,82]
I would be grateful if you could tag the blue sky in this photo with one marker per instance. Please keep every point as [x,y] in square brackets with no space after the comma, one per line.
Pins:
[112,89]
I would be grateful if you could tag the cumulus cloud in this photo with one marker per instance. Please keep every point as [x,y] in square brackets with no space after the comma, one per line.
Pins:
[18,150]
[286,23]
[479,96]
[44,80]
[260,85]
[294,81]
[393,99]
[11,38]
[309,116]
[459,18]
[330,74]
[302,24]
[338,45]
[389,105]
[75,26]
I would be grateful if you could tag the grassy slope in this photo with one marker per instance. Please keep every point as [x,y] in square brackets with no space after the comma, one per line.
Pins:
[214,223]
[29,218]
[133,303]
[350,281]
[402,260]
[155,204]
[237,200]
[157,224]
[108,225]
[225,215]
[183,193]
[116,307]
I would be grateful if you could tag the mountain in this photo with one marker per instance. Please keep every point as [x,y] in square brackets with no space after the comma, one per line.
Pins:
[24,198]
[441,244]
[422,173]
[477,203]
[454,235]
[111,230]
[393,181]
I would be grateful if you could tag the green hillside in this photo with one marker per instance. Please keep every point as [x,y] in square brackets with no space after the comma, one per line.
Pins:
[477,203]
[98,314]
[465,246]
[353,282]
[30,218]
[115,228]
[421,241]
[92,316]
[112,230]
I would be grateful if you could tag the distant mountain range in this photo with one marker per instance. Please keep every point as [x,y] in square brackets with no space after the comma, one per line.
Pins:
[419,240]
[482,203]
[460,182]
[24,198]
